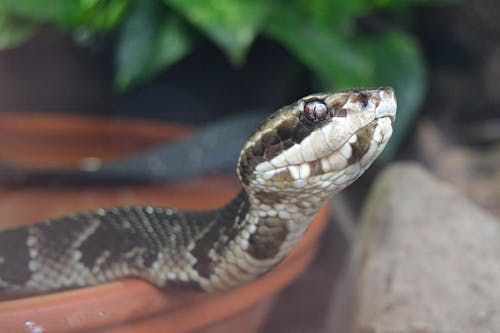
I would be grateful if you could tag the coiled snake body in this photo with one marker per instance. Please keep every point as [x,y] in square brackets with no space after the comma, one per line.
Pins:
[298,158]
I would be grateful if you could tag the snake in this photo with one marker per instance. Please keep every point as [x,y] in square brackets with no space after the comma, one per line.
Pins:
[297,159]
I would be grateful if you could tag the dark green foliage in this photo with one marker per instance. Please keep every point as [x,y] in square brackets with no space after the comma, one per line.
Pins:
[151,39]
[321,34]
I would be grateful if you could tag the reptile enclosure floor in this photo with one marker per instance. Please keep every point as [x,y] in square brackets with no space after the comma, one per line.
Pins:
[128,305]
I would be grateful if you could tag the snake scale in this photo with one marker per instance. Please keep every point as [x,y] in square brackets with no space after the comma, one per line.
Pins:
[296,160]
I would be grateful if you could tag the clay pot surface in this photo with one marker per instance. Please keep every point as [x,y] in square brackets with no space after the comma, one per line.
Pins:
[128,305]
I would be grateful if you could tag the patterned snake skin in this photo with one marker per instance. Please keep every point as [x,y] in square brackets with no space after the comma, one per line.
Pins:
[298,158]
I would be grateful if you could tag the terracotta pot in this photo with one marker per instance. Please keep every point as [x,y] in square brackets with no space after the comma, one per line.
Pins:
[128,305]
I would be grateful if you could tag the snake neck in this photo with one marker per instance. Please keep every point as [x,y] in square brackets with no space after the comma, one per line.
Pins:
[264,228]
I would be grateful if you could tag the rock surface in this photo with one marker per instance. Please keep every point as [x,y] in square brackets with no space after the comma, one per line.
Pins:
[474,170]
[426,260]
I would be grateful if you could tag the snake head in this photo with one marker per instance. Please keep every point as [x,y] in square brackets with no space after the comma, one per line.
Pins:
[319,144]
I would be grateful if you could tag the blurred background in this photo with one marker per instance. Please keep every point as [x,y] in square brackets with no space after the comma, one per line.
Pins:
[194,62]
[159,59]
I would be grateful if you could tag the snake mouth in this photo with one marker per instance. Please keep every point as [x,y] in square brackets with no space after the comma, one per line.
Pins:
[361,148]
[354,155]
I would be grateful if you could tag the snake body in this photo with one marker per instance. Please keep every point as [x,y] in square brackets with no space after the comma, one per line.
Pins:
[297,159]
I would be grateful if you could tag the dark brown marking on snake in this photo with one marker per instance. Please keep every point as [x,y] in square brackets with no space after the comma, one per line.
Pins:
[254,161]
[65,229]
[285,133]
[282,176]
[179,286]
[246,165]
[362,98]
[288,144]
[204,264]
[233,216]
[16,262]
[270,138]
[301,131]
[111,231]
[272,151]
[235,212]
[287,129]
[272,143]
[316,168]
[268,198]
[340,112]
[265,243]
[266,148]
[338,107]
[242,171]
[362,144]
[258,149]
[135,234]
[276,145]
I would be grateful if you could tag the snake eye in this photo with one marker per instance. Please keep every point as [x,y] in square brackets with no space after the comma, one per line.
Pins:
[316,111]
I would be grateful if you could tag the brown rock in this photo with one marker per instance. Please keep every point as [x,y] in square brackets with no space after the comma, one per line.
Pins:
[472,169]
[426,260]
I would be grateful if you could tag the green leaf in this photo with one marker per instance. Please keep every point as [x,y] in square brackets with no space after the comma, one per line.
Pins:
[332,14]
[13,32]
[397,61]
[101,15]
[94,14]
[231,24]
[326,52]
[150,41]
[61,12]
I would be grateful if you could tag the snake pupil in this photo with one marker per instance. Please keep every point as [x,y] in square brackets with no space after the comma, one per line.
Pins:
[316,111]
